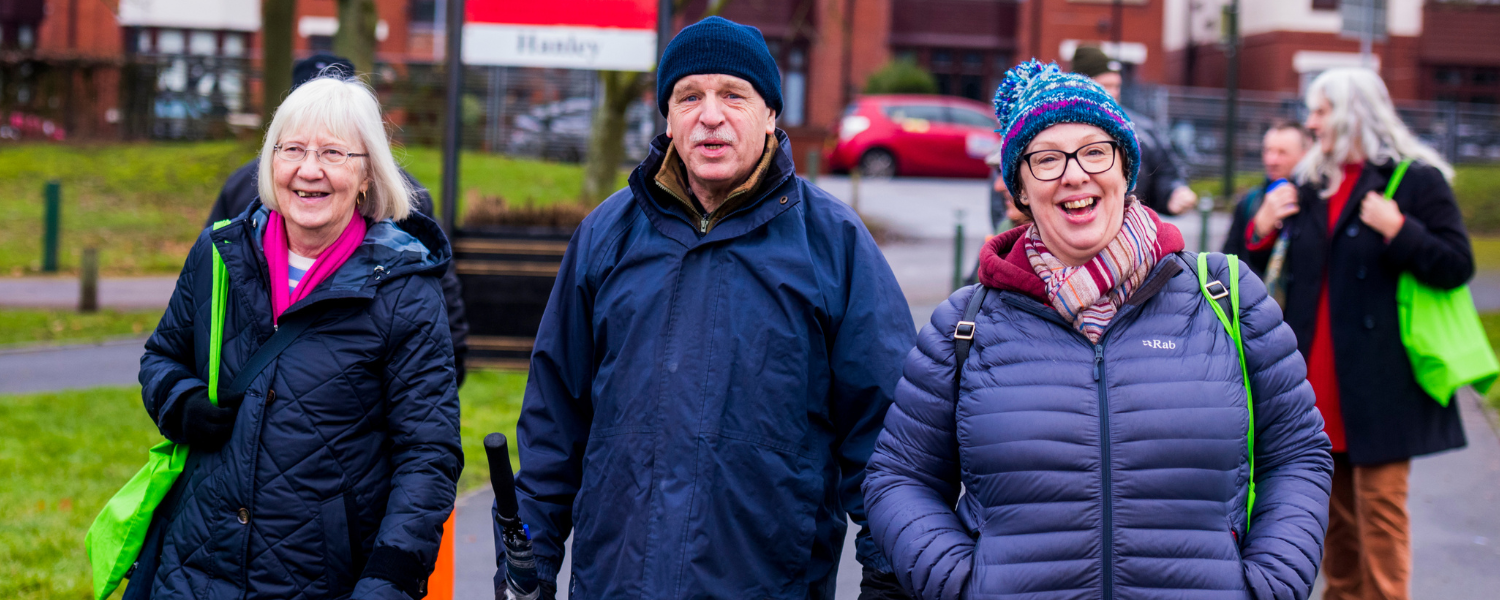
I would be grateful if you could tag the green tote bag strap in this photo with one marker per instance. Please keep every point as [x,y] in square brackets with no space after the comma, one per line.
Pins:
[114,540]
[1225,301]
[216,324]
[1441,331]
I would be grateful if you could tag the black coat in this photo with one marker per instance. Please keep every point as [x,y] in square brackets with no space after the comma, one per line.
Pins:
[1387,416]
[1161,172]
[241,188]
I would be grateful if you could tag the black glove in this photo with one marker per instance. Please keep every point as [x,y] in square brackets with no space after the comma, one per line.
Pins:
[205,426]
[875,585]
[548,591]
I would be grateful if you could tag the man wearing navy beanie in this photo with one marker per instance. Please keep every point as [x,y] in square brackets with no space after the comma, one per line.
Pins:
[715,361]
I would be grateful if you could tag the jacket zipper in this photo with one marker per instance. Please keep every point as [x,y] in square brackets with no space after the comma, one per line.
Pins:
[703,224]
[1104,463]
[1106,475]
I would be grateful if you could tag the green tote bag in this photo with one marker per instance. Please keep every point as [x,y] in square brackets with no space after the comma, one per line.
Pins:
[114,540]
[1441,331]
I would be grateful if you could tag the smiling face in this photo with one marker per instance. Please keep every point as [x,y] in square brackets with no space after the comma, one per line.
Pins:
[1077,214]
[313,196]
[718,125]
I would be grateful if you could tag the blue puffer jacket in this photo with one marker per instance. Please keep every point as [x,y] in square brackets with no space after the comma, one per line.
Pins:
[1113,471]
[345,454]
[701,406]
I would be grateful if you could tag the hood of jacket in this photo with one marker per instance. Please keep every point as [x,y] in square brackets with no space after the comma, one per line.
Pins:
[1003,264]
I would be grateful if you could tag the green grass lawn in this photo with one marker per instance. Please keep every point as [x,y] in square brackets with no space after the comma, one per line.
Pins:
[64,454]
[19,326]
[143,204]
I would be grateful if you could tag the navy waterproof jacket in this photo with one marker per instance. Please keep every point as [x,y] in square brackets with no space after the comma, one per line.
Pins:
[701,406]
[1109,471]
[345,456]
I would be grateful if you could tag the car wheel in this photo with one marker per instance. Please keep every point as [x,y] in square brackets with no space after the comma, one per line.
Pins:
[877,164]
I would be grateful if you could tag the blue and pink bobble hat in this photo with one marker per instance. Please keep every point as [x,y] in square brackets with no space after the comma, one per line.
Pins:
[1035,96]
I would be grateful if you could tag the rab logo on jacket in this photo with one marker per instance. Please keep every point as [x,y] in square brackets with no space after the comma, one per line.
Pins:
[1160,345]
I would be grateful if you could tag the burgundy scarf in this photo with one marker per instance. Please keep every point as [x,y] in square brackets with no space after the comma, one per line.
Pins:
[324,266]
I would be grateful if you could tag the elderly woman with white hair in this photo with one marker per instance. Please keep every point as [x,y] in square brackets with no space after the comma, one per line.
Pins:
[1348,246]
[325,460]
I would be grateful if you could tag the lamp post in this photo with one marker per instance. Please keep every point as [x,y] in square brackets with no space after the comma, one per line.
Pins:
[452,117]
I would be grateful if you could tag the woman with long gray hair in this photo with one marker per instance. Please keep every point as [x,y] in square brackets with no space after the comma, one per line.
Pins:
[1348,247]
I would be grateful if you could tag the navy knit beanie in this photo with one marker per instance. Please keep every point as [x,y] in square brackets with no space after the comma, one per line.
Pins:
[1035,96]
[719,46]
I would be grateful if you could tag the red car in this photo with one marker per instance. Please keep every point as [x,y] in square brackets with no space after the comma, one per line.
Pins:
[915,135]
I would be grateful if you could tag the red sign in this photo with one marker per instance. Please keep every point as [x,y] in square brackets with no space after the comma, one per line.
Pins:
[617,35]
[622,14]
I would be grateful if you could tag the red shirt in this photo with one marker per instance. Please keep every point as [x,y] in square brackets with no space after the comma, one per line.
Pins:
[1321,372]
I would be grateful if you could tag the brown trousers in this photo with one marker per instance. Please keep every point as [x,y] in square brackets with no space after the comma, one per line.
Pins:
[1367,553]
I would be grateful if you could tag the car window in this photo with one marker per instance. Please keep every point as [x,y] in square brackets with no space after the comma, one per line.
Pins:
[927,112]
[971,118]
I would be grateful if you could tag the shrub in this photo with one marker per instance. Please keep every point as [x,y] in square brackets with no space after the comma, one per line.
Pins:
[901,77]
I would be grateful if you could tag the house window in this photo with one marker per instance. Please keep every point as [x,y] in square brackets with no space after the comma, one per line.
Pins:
[791,59]
[967,73]
[1325,4]
[1462,83]
[203,43]
[320,43]
[170,41]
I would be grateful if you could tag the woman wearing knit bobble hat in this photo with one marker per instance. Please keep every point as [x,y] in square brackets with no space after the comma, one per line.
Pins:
[1103,436]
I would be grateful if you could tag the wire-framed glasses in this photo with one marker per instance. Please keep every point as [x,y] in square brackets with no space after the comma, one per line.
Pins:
[330,155]
[1048,165]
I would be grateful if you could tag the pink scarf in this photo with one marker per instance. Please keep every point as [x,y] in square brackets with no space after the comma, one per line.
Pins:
[1090,294]
[324,266]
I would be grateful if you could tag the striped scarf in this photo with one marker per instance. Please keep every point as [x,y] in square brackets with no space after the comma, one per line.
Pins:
[1090,294]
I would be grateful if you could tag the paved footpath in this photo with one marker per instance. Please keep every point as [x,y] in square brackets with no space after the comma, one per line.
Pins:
[62,292]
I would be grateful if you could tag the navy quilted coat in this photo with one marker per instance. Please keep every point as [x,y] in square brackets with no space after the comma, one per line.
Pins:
[701,406]
[1113,471]
[346,448]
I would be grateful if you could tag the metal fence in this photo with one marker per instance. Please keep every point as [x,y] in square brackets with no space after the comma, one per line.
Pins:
[1193,119]
[541,113]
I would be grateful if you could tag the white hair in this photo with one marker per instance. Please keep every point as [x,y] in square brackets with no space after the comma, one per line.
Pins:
[345,109]
[1361,113]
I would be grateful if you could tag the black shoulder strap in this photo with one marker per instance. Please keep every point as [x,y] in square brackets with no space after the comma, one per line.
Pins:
[286,333]
[963,335]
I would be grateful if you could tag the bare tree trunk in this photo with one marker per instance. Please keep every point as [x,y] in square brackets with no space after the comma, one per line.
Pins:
[355,39]
[276,17]
[607,134]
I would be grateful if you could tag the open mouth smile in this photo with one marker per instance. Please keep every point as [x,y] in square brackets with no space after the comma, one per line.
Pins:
[1080,209]
[313,195]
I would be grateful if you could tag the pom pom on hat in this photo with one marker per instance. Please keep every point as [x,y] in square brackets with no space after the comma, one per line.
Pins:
[1034,96]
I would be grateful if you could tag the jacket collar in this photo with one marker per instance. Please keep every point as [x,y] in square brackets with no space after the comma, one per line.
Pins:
[1371,179]
[389,252]
[669,216]
[1003,263]
[671,178]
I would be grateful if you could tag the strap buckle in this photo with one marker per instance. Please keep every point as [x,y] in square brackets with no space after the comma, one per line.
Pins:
[964,330]
[1222,291]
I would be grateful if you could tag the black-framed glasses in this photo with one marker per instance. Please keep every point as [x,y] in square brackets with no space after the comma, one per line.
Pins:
[331,155]
[1049,165]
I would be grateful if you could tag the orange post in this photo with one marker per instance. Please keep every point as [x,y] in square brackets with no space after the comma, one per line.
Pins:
[440,584]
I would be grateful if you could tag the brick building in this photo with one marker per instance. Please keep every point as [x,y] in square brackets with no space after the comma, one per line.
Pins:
[1434,49]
